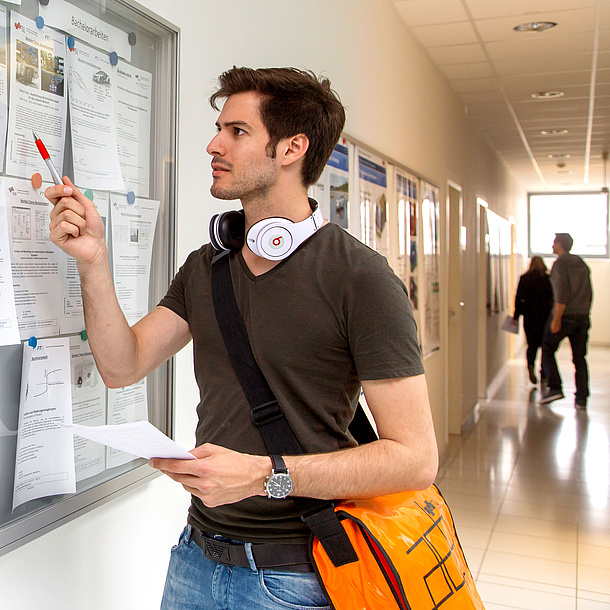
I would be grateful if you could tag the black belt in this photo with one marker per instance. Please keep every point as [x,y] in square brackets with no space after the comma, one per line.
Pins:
[288,557]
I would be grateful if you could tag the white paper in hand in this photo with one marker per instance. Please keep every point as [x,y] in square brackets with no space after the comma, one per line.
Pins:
[510,325]
[138,438]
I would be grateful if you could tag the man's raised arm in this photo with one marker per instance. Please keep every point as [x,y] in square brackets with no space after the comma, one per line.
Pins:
[123,354]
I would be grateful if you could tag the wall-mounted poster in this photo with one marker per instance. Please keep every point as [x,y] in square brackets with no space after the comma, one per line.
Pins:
[431,252]
[402,197]
[408,267]
[498,262]
[372,174]
[332,189]
[37,99]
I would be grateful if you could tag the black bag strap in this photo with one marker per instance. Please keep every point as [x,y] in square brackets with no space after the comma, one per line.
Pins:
[267,414]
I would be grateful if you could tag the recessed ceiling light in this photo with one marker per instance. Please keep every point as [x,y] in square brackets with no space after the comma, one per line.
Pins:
[535,26]
[547,95]
[559,156]
[554,132]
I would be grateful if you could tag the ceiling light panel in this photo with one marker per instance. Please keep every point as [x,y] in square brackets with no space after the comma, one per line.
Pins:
[535,26]
[547,95]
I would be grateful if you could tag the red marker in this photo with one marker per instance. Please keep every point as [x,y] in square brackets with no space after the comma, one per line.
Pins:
[47,159]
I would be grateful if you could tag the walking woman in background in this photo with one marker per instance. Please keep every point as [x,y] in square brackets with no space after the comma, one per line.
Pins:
[534,301]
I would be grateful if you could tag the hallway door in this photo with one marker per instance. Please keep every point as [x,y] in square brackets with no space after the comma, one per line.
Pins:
[455,392]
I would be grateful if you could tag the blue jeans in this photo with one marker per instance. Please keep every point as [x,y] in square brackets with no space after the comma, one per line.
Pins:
[195,582]
[576,328]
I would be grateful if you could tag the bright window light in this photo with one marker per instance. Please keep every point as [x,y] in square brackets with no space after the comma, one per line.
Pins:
[583,215]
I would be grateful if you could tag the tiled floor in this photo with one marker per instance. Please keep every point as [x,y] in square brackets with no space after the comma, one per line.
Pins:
[529,489]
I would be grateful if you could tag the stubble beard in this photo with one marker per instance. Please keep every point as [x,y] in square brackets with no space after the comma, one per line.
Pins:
[254,184]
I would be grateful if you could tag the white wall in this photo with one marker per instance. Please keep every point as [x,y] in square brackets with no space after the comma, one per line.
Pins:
[115,557]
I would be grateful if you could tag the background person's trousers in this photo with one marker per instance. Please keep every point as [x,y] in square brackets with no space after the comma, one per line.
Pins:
[576,328]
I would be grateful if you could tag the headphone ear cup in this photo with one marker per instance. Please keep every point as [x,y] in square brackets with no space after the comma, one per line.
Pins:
[227,230]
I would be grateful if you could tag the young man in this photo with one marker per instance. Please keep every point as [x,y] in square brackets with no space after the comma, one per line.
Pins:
[571,281]
[324,321]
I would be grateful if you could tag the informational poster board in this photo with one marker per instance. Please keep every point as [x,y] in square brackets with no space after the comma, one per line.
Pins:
[408,270]
[332,189]
[373,181]
[96,80]
[498,263]
[431,323]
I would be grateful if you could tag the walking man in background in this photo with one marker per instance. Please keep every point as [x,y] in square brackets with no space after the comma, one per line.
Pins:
[571,281]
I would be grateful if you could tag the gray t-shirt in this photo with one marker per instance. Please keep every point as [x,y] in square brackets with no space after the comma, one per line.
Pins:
[330,315]
[571,281]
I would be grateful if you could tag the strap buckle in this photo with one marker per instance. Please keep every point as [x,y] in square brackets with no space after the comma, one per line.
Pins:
[266,413]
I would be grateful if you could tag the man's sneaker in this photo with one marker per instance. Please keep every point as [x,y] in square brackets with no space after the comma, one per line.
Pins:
[550,395]
[580,404]
[544,384]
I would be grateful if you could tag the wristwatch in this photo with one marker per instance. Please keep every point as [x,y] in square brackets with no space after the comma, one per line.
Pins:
[279,484]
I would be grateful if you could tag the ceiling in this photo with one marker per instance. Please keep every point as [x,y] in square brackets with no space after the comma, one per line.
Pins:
[494,69]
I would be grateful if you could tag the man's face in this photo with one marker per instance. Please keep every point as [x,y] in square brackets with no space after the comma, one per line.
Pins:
[241,166]
[555,247]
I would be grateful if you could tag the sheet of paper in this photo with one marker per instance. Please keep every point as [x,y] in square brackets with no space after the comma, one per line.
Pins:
[125,405]
[132,103]
[140,439]
[45,451]
[88,408]
[84,26]
[9,330]
[133,233]
[35,261]
[94,140]
[3,83]
[37,97]
[72,315]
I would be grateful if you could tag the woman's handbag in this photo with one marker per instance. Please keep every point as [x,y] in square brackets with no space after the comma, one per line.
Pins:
[398,551]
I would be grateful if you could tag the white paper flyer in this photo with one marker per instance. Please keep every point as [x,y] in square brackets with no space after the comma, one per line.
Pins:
[45,451]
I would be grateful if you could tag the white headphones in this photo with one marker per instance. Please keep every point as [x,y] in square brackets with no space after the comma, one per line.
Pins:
[277,238]
[270,238]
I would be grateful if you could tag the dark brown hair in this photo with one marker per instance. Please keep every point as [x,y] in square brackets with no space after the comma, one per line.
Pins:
[294,101]
[537,265]
[564,240]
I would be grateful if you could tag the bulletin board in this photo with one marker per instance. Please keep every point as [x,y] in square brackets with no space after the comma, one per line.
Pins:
[96,81]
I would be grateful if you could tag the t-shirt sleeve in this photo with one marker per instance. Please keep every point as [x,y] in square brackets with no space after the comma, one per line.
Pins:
[559,281]
[380,325]
[175,298]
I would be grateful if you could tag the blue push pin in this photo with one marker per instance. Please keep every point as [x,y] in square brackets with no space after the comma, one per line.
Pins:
[89,194]
[33,342]
[131,197]
[71,43]
[114,58]
[83,335]
[39,22]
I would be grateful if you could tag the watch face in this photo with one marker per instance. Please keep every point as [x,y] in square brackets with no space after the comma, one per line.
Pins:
[279,485]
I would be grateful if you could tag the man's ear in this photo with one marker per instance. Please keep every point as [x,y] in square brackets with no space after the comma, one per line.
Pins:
[292,149]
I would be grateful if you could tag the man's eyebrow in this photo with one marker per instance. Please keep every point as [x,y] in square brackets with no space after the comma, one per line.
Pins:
[233,124]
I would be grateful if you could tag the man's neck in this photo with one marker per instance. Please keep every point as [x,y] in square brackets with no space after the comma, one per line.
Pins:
[294,206]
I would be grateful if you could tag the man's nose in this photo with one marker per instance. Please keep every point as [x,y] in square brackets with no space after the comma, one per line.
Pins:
[215,146]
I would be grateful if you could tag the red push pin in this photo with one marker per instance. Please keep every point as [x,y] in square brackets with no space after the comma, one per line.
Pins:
[36,180]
